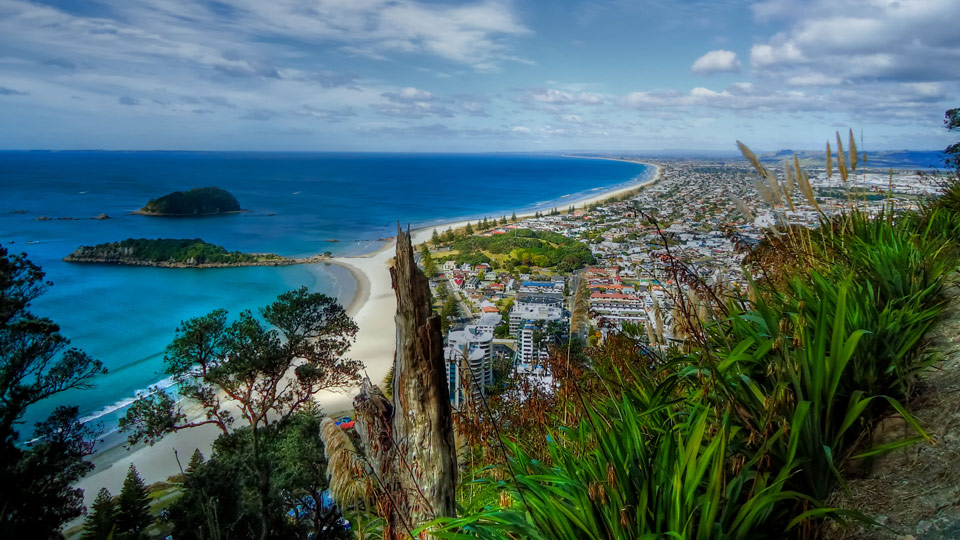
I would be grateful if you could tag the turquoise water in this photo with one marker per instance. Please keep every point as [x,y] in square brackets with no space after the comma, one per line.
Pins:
[297,202]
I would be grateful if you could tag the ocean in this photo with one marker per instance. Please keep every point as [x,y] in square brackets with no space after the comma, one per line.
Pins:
[298,204]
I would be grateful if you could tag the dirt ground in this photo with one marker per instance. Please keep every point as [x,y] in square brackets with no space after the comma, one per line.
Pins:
[915,491]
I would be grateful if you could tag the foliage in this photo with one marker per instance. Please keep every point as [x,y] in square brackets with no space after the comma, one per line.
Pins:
[472,259]
[193,202]
[426,261]
[163,250]
[133,508]
[638,465]
[951,120]
[36,363]
[265,374]
[449,311]
[220,500]
[100,523]
[526,247]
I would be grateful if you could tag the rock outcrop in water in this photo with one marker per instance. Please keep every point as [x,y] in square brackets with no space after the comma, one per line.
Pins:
[206,201]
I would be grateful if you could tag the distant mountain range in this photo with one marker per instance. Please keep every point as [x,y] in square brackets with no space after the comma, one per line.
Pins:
[896,159]
[885,159]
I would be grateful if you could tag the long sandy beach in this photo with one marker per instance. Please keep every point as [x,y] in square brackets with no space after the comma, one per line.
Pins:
[373,308]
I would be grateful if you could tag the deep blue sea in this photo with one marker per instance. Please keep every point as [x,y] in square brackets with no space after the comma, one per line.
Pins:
[296,203]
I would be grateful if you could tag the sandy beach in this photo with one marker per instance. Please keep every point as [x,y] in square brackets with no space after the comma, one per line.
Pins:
[373,308]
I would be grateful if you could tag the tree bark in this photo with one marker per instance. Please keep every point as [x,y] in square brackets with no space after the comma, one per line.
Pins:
[409,442]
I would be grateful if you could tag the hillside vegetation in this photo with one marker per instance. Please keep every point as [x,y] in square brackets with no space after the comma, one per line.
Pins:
[523,247]
[195,202]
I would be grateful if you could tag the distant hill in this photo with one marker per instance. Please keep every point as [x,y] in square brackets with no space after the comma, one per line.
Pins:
[896,159]
[206,201]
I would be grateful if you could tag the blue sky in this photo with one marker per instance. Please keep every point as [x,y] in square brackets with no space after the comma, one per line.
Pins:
[475,76]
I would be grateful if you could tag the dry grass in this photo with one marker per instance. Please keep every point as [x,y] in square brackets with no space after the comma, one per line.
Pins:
[841,160]
[853,151]
[344,466]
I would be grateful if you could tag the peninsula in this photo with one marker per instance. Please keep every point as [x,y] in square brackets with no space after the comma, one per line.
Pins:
[205,201]
[177,253]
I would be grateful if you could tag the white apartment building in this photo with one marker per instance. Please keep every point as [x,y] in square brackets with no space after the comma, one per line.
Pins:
[530,350]
[469,353]
[535,307]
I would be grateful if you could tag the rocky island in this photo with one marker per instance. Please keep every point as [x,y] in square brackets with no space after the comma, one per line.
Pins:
[177,253]
[206,201]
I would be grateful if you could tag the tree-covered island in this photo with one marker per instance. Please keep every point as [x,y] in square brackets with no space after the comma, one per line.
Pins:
[177,253]
[205,201]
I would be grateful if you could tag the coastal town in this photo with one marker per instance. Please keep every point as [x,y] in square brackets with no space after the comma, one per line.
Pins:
[505,311]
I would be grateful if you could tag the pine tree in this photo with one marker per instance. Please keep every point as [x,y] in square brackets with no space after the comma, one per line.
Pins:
[435,238]
[102,518]
[450,309]
[485,226]
[133,508]
[429,267]
[469,229]
[503,220]
[448,235]
[196,461]
[513,217]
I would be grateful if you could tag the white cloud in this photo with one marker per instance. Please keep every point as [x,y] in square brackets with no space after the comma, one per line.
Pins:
[785,54]
[813,79]
[561,97]
[863,40]
[914,103]
[474,34]
[409,94]
[718,61]
[556,101]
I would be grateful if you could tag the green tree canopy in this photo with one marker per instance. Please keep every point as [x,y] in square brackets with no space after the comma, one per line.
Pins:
[951,121]
[36,362]
[265,374]
[220,498]
[101,522]
[426,260]
[133,508]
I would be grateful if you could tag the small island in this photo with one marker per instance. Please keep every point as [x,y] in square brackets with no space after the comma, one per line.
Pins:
[177,253]
[206,201]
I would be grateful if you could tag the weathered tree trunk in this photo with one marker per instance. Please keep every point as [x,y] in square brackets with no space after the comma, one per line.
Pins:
[409,443]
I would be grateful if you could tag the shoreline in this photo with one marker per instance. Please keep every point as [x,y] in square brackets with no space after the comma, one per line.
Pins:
[373,307]
[601,195]
[421,234]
